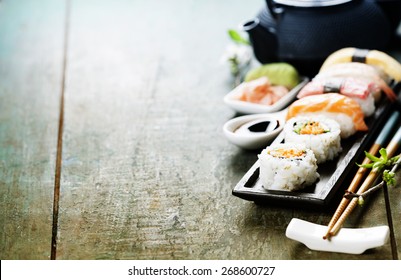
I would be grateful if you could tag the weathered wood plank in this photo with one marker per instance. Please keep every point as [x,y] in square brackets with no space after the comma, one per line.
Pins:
[147,172]
[31,41]
[142,162]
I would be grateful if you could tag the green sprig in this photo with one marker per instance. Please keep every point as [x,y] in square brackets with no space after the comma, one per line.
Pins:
[389,177]
[378,164]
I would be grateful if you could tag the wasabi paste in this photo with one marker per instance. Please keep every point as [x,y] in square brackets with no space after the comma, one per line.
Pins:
[279,73]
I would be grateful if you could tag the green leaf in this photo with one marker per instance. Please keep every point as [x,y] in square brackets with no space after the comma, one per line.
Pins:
[378,164]
[371,157]
[383,153]
[368,165]
[237,38]
[394,160]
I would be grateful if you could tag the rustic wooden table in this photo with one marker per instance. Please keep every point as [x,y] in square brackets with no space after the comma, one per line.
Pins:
[111,143]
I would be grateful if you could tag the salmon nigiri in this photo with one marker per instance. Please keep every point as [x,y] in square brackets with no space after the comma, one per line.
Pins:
[362,91]
[346,111]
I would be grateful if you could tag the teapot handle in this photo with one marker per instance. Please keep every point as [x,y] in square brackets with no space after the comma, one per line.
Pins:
[274,9]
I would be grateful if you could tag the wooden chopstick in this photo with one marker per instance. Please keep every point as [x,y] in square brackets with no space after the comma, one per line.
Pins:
[391,148]
[378,143]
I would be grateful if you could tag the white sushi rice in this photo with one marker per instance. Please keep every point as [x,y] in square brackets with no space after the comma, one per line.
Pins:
[287,173]
[325,146]
[367,105]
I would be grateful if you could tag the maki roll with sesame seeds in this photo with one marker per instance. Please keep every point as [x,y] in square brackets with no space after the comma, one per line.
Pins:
[287,167]
[318,133]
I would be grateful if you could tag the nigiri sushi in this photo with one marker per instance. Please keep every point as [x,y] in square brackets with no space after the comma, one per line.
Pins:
[341,108]
[360,90]
[372,57]
[361,71]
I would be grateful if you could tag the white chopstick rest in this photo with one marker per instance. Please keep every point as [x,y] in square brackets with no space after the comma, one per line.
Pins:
[348,240]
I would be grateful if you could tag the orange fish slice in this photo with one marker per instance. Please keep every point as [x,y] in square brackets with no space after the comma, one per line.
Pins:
[329,103]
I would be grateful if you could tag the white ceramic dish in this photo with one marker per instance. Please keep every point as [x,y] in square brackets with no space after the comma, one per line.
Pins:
[231,99]
[348,240]
[237,133]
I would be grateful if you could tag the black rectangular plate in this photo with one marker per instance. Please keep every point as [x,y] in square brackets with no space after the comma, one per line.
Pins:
[334,175]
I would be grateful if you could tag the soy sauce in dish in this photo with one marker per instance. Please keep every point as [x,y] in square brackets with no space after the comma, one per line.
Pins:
[259,126]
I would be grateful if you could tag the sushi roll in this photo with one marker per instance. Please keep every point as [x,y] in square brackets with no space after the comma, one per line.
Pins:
[287,167]
[321,135]
[344,110]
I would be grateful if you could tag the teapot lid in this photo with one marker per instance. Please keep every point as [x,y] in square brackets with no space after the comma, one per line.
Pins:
[311,3]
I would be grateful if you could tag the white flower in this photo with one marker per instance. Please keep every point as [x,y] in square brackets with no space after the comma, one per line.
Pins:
[242,54]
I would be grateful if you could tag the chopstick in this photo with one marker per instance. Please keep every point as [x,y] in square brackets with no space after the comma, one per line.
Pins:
[378,143]
[391,148]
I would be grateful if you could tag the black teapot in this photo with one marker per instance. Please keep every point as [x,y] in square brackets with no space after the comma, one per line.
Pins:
[305,32]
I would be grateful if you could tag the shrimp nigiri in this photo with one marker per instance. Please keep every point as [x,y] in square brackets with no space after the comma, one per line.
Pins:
[346,111]
[361,71]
